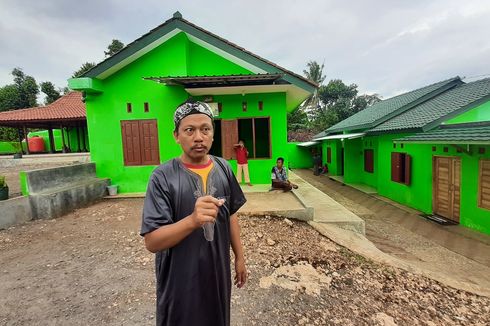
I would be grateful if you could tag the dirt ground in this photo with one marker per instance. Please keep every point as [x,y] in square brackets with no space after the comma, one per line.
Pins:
[407,243]
[90,267]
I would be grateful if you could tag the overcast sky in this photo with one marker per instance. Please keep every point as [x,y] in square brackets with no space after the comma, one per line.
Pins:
[384,46]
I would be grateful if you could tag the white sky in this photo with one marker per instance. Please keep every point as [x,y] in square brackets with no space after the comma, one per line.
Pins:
[385,46]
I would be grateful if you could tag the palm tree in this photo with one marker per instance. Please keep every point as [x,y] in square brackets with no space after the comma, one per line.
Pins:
[315,74]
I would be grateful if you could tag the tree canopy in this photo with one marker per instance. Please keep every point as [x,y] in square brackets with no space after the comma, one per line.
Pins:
[21,94]
[329,104]
[83,69]
[52,94]
[113,48]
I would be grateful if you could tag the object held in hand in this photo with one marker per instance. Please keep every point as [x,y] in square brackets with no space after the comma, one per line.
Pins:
[208,227]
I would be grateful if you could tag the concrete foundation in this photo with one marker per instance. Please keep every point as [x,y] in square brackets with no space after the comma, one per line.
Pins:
[14,211]
[56,191]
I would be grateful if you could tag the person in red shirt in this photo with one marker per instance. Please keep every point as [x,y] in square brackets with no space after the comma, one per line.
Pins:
[242,162]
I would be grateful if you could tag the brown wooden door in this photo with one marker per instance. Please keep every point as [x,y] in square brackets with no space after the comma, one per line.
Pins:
[446,187]
[150,153]
[140,142]
[131,142]
[229,136]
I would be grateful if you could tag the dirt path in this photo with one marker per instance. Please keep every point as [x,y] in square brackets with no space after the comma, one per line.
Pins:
[90,267]
[405,235]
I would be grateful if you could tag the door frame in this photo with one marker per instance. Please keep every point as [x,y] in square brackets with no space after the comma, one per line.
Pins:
[452,217]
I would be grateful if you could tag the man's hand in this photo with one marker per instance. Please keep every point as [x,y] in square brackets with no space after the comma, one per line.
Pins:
[240,272]
[205,210]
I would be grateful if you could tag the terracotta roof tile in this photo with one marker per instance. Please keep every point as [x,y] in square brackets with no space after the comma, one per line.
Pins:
[67,107]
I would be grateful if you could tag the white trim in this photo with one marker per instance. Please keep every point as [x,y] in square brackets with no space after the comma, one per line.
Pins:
[307,143]
[294,94]
[138,54]
[193,39]
[343,136]
[252,89]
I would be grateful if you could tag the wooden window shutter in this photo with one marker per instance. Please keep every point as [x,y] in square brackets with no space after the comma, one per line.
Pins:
[395,167]
[131,142]
[150,154]
[484,184]
[408,169]
[329,155]
[369,160]
[229,136]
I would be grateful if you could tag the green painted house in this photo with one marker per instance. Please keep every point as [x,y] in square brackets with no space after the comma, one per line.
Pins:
[427,149]
[131,97]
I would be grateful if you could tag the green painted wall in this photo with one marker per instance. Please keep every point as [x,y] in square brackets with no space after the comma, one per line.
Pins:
[418,194]
[299,157]
[9,147]
[203,62]
[354,161]
[106,111]
[176,57]
[478,114]
[335,166]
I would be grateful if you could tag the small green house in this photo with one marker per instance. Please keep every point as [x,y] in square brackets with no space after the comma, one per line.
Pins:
[429,150]
[131,97]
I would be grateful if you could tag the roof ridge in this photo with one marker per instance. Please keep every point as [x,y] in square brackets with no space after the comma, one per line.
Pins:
[249,52]
[420,88]
[392,105]
[451,103]
[179,18]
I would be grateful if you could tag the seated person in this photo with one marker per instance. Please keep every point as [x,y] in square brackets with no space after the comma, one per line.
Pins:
[280,178]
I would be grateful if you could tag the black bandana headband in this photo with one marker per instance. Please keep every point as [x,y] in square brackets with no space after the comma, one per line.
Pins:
[191,107]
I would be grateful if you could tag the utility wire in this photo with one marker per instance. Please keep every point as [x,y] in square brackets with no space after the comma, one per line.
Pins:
[475,76]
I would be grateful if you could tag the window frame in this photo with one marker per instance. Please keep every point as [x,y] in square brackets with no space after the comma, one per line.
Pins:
[253,136]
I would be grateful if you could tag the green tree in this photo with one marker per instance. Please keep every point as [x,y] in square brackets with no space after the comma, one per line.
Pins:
[27,89]
[51,93]
[315,74]
[83,69]
[21,94]
[297,120]
[8,134]
[9,97]
[113,48]
[338,102]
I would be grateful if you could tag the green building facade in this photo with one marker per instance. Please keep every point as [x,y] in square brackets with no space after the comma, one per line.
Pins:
[430,154]
[131,98]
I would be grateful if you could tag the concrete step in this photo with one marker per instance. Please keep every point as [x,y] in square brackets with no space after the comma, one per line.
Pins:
[326,210]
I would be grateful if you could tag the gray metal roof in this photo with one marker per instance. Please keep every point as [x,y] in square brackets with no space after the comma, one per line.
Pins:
[445,106]
[460,135]
[382,111]
[221,81]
